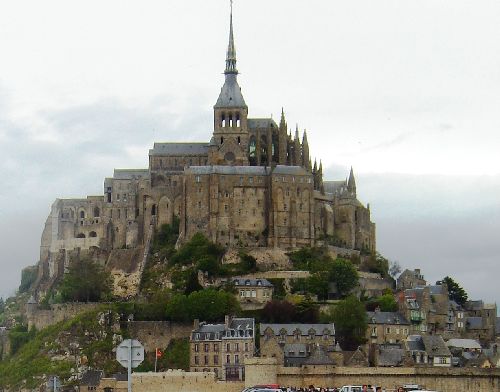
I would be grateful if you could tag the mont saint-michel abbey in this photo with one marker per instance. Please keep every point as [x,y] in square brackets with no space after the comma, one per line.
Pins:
[252,184]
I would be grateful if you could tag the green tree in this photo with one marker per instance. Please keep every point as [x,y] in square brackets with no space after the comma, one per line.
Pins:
[455,291]
[386,303]
[206,305]
[378,264]
[176,356]
[196,248]
[349,317]
[317,284]
[307,311]
[28,277]
[277,311]
[344,275]
[86,281]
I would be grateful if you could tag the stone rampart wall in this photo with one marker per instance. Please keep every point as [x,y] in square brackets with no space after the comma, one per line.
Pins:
[158,334]
[265,370]
[178,380]
[42,318]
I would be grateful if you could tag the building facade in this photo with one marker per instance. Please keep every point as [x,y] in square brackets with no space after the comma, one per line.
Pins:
[222,348]
[252,184]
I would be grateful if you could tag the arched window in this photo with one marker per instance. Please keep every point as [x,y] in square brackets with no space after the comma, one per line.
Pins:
[252,153]
[80,235]
[263,150]
[96,212]
[82,214]
[153,210]
[93,234]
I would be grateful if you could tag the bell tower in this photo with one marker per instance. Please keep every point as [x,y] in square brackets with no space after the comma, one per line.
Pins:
[229,144]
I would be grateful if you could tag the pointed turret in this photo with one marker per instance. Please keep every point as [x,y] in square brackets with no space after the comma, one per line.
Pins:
[305,152]
[351,183]
[283,144]
[297,153]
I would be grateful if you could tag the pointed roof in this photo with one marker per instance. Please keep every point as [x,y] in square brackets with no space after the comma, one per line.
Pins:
[304,137]
[296,131]
[231,51]
[351,183]
[230,95]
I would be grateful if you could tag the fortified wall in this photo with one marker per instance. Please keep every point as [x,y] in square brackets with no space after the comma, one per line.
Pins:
[266,370]
[42,318]
[158,334]
[179,380]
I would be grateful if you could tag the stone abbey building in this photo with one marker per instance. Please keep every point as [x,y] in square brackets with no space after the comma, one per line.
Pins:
[251,185]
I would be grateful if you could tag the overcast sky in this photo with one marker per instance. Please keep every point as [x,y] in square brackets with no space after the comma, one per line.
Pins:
[407,92]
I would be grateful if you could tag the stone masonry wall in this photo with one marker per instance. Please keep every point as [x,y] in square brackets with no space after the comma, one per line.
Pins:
[178,380]
[443,380]
[42,318]
[158,334]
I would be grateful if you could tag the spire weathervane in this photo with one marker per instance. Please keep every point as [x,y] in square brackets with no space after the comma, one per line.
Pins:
[231,51]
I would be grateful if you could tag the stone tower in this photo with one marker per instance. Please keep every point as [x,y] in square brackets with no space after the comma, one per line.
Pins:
[229,144]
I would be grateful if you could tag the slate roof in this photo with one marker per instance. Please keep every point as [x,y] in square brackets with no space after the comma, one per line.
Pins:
[290,170]
[218,331]
[179,149]
[335,187]
[386,318]
[390,356]
[254,123]
[435,346]
[436,289]
[91,378]
[415,343]
[474,323]
[464,344]
[128,174]
[497,326]
[228,170]
[319,357]
[230,94]
[303,328]
[295,350]
[238,281]
[474,305]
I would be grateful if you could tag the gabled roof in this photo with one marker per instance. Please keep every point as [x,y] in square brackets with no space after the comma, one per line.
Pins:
[390,356]
[386,318]
[470,344]
[229,170]
[295,350]
[241,282]
[179,149]
[230,94]
[304,329]
[254,123]
[435,346]
[129,174]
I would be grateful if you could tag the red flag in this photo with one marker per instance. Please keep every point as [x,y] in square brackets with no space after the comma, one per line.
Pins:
[158,353]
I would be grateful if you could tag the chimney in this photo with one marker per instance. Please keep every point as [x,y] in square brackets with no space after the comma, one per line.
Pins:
[196,324]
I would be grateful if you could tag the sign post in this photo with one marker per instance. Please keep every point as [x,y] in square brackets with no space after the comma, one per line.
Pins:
[53,384]
[130,354]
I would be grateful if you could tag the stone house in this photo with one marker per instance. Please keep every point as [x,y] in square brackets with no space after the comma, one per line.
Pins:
[410,279]
[386,327]
[292,344]
[429,350]
[222,348]
[252,293]
[480,321]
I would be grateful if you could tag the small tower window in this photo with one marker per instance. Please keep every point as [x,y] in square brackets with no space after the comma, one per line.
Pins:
[238,121]
[239,140]
[221,140]
[223,120]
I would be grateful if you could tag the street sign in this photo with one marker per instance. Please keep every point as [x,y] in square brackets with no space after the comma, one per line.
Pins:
[53,384]
[130,350]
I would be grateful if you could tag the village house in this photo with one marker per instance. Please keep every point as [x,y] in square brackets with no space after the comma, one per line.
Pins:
[386,327]
[222,348]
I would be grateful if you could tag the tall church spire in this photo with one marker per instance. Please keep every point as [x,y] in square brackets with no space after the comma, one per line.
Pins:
[231,51]
[230,95]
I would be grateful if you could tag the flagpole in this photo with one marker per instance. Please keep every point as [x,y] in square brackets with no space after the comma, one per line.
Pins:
[156,358]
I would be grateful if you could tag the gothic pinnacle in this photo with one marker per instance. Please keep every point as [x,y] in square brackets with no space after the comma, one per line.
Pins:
[231,51]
